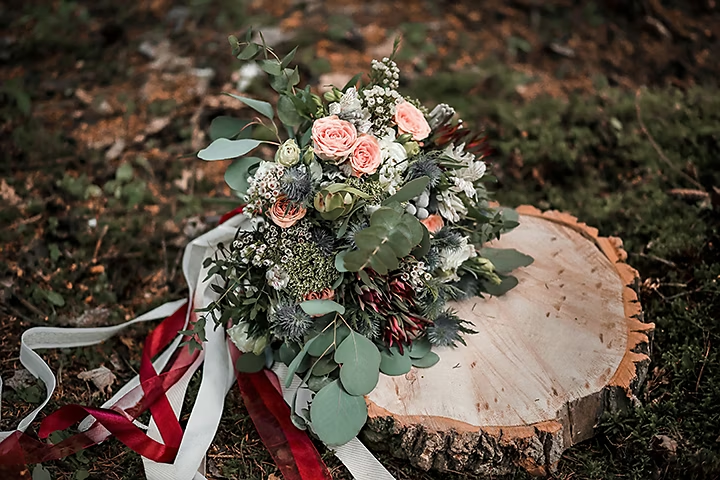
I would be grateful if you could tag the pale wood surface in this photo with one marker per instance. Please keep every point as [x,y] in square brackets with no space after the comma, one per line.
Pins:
[539,366]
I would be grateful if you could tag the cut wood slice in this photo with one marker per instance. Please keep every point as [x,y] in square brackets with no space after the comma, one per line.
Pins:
[565,345]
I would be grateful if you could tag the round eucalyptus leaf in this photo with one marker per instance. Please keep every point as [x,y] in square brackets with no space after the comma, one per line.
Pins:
[360,364]
[249,363]
[323,366]
[317,383]
[288,351]
[336,416]
[427,361]
[420,347]
[393,363]
[323,343]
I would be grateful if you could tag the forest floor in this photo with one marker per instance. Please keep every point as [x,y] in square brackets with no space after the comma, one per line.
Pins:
[607,109]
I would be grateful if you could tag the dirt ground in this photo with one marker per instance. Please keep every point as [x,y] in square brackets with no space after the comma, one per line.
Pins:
[104,104]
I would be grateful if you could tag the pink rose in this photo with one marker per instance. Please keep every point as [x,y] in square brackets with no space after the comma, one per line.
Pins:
[333,139]
[411,120]
[285,214]
[366,156]
[433,223]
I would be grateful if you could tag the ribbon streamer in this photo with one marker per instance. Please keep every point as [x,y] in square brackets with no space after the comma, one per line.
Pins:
[163,438]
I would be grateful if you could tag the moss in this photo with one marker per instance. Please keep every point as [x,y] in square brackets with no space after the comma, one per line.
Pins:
[591,157]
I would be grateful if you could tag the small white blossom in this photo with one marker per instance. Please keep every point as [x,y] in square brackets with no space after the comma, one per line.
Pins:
[450,206]
[277,277]
[452,258]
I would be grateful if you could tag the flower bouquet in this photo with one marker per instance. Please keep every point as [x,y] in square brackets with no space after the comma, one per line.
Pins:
[370,216]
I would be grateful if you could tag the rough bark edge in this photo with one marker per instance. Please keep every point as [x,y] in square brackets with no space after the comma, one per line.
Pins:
[448,444]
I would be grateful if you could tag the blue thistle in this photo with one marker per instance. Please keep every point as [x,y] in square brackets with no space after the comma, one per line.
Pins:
[297,184]
[323,239]
[289,322]
[446,330]
[425,166]
[447,239]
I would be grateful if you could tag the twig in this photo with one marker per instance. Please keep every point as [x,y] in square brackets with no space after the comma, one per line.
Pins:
[654,144]
[650,256]
[30,306]
[702,368]
[99,243]
[25,221]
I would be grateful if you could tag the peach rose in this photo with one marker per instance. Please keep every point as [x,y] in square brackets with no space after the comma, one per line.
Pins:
[366,156]
[325,294]
[411,120]
[433,223]
[285,213]
[333,139]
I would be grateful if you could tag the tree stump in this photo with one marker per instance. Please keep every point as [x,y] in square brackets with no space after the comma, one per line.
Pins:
[565,345]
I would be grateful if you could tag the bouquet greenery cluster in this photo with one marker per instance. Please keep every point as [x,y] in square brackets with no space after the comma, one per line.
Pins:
[371,216]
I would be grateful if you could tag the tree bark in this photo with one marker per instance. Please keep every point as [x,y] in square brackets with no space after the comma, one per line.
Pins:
[550,356]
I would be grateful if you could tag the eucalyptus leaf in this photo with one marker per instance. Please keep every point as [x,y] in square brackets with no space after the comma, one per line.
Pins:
[227,127]
[409,191]
[272,67]
[295,364]
[336,416]
[249,51]
[224,149]
[506,260]
[324,366]
[287,113]
[323,343]
[288,351]
[421,250]
[259,106]
[420,347]
[390,236]
[317,383]
[427,361]
[508,283]
[321,307]
[360,363]
[394,363]
[340,261]
[288,58]
[249,363]
[237,174]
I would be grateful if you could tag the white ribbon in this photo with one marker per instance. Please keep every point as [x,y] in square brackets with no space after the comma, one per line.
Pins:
[217,375]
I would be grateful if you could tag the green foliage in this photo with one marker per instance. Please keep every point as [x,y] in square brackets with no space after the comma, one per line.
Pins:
[505,260]
[394,363]
[224,149]
[336,415]
[360,362]
[237,173]
[391,235]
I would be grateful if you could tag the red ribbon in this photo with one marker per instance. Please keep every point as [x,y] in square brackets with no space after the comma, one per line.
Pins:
[294,453]
[21,449]
[291,448]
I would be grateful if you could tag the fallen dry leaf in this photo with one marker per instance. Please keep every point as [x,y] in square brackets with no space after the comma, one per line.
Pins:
[8,194]
[101,377]
[21,379]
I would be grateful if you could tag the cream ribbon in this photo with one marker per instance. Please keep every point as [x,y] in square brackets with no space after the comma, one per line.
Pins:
[217,375]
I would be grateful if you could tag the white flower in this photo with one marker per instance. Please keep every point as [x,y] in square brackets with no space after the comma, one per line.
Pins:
[394,162]
[462,185]
[459,154]
[288,154]
[451,259]
[277,277]
[450,206]
[238,335]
